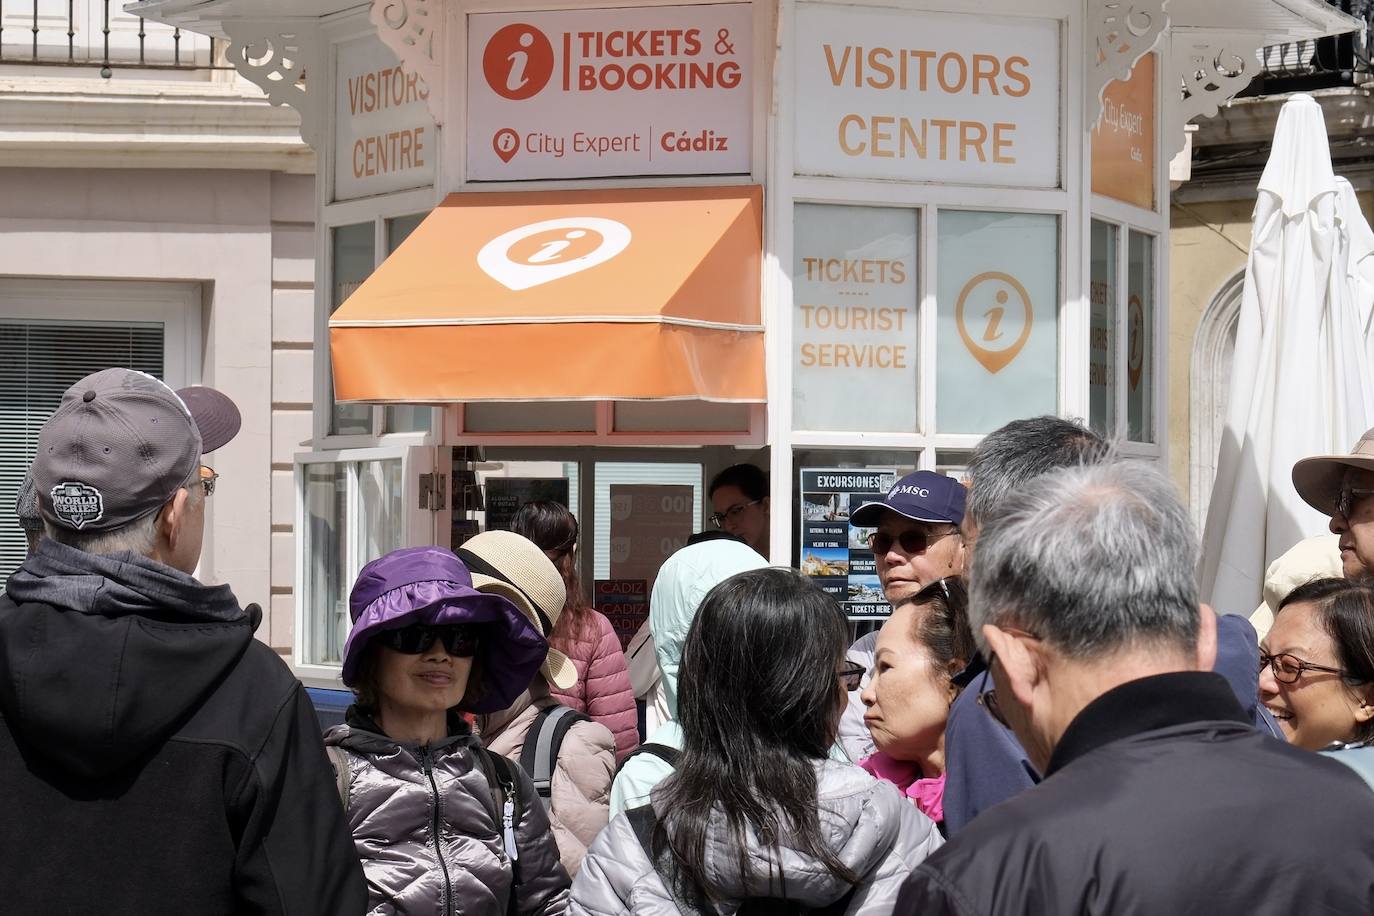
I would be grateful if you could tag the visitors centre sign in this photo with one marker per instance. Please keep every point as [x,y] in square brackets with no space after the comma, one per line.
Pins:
[922,96]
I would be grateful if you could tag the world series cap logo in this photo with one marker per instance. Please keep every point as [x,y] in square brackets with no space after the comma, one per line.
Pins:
[77,504]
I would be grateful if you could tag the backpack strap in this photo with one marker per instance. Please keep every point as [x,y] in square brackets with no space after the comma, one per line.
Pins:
[669,755]
[343,773]
[539,755]
[505,796]
[687,897]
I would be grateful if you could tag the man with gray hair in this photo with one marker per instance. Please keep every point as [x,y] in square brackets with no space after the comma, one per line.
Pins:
[1084,598]
[984,763]
[155,758]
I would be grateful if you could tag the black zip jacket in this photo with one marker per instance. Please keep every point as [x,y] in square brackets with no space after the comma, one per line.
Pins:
[1161,799]
[154,757]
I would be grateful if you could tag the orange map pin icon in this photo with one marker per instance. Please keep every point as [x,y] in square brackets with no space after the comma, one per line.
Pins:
[996,302]
[506,142]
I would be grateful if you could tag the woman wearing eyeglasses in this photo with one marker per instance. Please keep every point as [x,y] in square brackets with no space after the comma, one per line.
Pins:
[739,504]
[1317,668]
[921,647]
[437,821]
[755,810]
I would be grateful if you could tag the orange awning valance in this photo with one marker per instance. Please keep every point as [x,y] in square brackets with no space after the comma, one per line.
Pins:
[563,295]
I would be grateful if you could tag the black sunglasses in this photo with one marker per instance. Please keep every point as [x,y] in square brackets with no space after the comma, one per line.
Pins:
[912,540]
[459,639]
[851,675]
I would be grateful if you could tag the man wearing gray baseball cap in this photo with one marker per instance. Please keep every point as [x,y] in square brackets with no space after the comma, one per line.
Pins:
[154,757]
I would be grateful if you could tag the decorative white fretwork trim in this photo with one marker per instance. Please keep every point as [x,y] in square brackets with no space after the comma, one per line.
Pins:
[277,56]
[1211,69]
[1121,32]
[412,29]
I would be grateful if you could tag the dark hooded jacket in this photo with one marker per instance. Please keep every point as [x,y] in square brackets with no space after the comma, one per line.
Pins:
[155,757]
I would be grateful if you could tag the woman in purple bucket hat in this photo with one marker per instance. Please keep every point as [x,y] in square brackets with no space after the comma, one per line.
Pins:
[439,823]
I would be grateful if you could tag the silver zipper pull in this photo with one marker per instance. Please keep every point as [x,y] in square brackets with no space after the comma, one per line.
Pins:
[508,830]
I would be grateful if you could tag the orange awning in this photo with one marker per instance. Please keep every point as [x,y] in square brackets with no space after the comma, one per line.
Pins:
[563,295]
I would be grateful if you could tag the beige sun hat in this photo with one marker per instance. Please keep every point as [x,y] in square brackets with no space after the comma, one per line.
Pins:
[506,564]
[1318,479]
[1313,558]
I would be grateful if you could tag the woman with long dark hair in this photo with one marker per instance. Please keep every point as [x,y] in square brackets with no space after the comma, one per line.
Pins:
[756,810]
[583,633]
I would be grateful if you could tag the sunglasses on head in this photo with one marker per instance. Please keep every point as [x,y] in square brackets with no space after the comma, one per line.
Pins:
[459,639]
[913,540]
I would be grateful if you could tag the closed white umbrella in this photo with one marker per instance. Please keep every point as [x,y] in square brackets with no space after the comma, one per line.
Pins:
[1301,382]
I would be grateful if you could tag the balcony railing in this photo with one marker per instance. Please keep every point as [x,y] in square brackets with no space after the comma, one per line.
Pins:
[99,34]
[1302,66]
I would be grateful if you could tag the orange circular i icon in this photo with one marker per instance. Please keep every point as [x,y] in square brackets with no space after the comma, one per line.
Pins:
[990,339]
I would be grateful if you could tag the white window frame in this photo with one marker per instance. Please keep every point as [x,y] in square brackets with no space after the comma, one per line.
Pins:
[1129,218]
[786,189]
[176,306]
[419,530]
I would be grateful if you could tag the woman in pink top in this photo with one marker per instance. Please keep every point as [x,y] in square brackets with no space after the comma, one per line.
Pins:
[921,647]
[583,633]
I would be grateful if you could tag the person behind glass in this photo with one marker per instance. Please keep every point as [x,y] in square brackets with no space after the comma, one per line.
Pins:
[739,504]
[916,542]
[1317,670]
[582,765]
[920,648]
[755,809]
[424,800]
[583,633]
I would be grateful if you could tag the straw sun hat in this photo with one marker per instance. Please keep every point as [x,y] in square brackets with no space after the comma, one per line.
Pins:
[506,564]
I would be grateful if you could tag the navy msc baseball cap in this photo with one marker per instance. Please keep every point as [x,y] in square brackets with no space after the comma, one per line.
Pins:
[922,496]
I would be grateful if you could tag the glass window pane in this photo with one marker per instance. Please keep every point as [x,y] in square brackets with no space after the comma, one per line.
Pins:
[1102,292]
[997,357]
[353,259]
[1140,336]
[326,563]
[380,524]
[680,416]
[643,511]
[854,319]
[530,417]
[404,418]
[399,228]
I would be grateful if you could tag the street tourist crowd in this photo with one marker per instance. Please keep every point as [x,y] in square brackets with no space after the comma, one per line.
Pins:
[1049,722]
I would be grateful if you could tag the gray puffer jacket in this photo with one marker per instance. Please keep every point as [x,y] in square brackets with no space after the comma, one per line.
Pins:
[426,827]
[870,826]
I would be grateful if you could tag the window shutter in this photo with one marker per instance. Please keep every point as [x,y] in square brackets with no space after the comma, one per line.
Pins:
[39,360]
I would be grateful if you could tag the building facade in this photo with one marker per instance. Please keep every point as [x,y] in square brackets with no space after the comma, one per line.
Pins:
[598,252]
[157,212]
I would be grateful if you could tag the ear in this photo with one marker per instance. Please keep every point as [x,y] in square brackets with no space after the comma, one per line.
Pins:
[1021,665]
[1365,711]
[171,522]
[1206,638]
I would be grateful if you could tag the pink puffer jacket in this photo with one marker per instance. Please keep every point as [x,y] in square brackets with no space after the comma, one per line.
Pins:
[602,690]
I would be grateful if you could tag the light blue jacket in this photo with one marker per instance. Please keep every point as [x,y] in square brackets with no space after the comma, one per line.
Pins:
[681,585]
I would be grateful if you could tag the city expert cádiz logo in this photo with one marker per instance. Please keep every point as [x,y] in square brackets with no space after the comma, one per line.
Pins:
[77,504]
